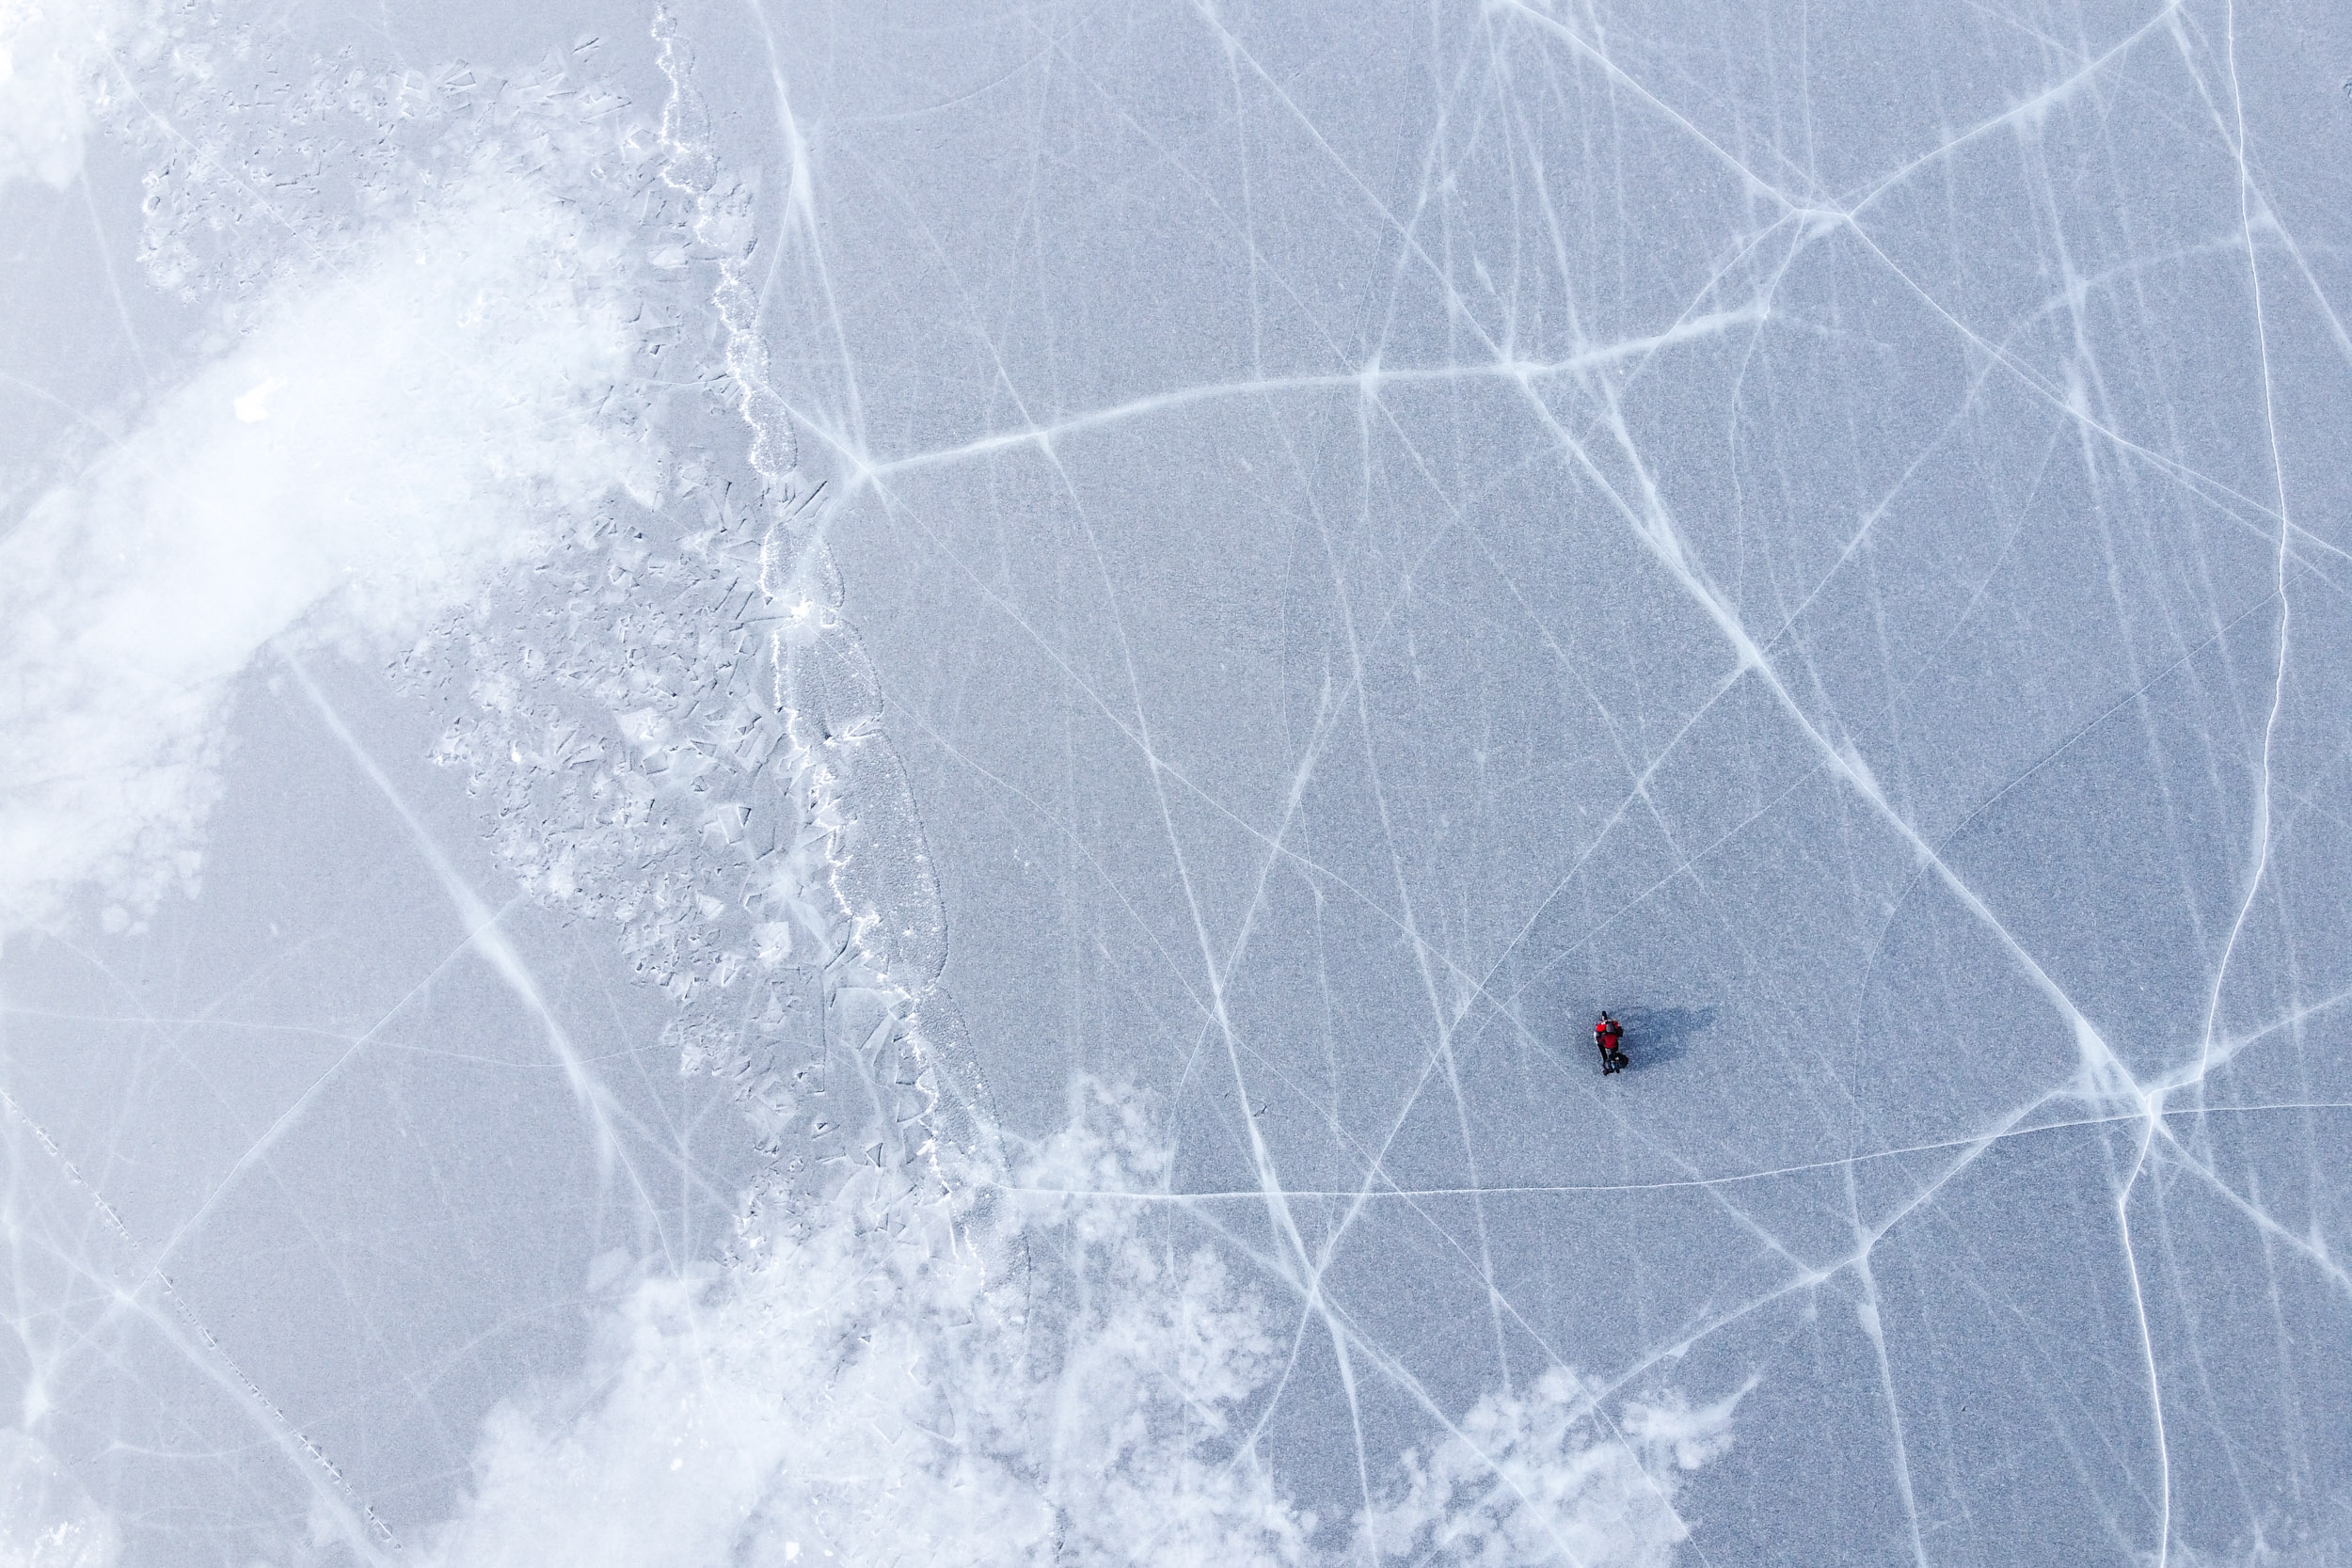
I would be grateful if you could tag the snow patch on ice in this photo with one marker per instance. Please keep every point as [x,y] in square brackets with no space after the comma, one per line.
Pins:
[51,52]
[1547,1477]
[46,1520]
[871,1390]
[1024,1370]
[437,389]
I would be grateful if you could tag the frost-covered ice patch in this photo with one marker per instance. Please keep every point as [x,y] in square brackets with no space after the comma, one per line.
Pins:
[46,1520]
[677,732]
[444,347]
[382,436]
[1548,1476]
[868,1389]
[51,52]
[955,1371]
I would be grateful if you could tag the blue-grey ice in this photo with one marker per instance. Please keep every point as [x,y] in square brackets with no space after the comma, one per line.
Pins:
[822,783]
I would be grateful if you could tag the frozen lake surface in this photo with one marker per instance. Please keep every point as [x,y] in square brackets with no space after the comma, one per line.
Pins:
[790,784]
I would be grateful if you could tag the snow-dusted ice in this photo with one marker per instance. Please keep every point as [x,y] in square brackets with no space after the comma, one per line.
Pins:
[786,783]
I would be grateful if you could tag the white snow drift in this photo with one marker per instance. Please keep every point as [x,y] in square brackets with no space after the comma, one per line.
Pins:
[50,49]
[46,1520]
[378,438]
[1043,1378]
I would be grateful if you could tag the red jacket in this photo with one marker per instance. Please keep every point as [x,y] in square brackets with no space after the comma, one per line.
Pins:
[1608,1034]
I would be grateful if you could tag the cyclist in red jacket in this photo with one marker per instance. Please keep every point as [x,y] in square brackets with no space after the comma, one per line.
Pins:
[1608,1034]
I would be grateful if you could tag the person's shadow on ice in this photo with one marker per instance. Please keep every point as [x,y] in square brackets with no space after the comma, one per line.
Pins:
[1656,1035]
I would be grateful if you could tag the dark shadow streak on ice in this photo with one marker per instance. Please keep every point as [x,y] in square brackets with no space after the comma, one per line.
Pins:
[1656,1035]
